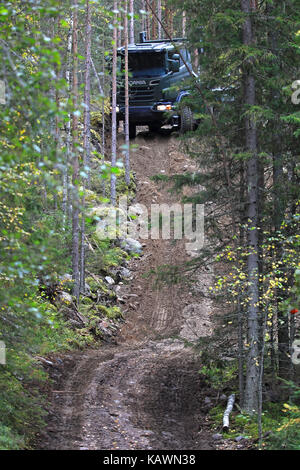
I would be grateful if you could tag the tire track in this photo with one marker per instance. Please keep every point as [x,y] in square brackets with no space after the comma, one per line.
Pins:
[145,392]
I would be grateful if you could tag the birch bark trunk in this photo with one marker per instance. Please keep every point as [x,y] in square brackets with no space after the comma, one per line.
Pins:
[75,159]
[66,189]
[114,111]
[127,150]
[86,137]
[131,31]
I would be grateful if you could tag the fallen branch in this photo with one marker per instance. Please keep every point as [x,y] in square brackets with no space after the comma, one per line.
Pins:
[227,412]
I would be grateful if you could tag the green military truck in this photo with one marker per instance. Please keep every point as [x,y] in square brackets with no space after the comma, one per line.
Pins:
[156,85]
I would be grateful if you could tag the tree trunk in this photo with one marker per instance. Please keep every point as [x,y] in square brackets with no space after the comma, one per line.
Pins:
[114,113]
[127,150]
[148,20]
[278,216]
[144,8]
[240,312]
[131,11]
[252,374]
[154,22]
[66,189]
[159,19]
[227,412]
[86,137]
[103,113]
[183,24]
[169,18]
[75,159]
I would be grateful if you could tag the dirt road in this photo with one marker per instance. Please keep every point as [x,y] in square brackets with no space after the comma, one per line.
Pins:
[144,392]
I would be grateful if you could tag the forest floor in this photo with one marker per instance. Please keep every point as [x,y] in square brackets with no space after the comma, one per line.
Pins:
[144,391]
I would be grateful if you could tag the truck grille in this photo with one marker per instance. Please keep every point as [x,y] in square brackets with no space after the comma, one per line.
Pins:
[141,94]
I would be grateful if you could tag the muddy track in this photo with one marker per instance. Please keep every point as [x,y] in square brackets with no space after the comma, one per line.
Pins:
[144,392]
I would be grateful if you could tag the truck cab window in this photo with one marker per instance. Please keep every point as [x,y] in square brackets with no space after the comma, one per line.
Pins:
[150,64]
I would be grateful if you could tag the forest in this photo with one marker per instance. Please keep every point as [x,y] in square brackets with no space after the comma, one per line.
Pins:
[128,127]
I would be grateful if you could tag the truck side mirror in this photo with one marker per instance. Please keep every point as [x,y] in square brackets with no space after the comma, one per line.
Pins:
[174,64]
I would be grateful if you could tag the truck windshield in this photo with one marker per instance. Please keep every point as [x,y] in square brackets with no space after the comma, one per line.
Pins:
[147,64]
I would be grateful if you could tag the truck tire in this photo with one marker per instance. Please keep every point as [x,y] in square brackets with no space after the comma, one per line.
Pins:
[132,131]
[154,127]
[186,120]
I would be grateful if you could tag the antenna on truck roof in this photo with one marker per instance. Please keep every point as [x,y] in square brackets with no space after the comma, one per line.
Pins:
[143,39]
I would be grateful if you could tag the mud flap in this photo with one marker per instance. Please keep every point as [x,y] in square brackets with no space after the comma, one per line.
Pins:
[132,131]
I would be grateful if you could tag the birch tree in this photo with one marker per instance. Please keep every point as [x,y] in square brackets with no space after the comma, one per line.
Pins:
[131,30]
[66,192]
[183,24]
[114,108]
[75,159]
[86,136]
[127,147]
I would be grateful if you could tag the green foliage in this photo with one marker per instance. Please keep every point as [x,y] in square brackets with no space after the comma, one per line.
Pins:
[244,424]
[34,238]
[100,183]
[287,435]
[10,440]
[35,226]
[220,376]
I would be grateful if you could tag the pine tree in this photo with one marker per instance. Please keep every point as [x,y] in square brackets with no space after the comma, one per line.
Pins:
[243,94]
[252,376]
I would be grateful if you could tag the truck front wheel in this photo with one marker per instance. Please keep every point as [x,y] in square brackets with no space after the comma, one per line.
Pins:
[186,120]
[132,131]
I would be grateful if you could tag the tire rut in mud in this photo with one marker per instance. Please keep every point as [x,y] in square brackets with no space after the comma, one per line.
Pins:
[149,397]
[145,392]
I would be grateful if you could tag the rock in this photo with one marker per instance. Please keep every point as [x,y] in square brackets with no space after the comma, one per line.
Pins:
[65,298]
[146,433]
[87,287]
[240,438]
[217,437]
[207,401]
[106,221]
[44,361]
[125,273]
[109,280]
[131,246]
[66,277]
[228,359]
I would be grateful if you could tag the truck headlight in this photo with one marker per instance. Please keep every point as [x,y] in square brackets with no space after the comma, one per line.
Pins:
[117,109]
[164,107]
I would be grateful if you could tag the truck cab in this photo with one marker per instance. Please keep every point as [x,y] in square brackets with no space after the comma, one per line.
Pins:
[156,85]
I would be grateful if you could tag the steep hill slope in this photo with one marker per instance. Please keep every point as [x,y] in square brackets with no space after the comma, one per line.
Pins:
[145,391]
